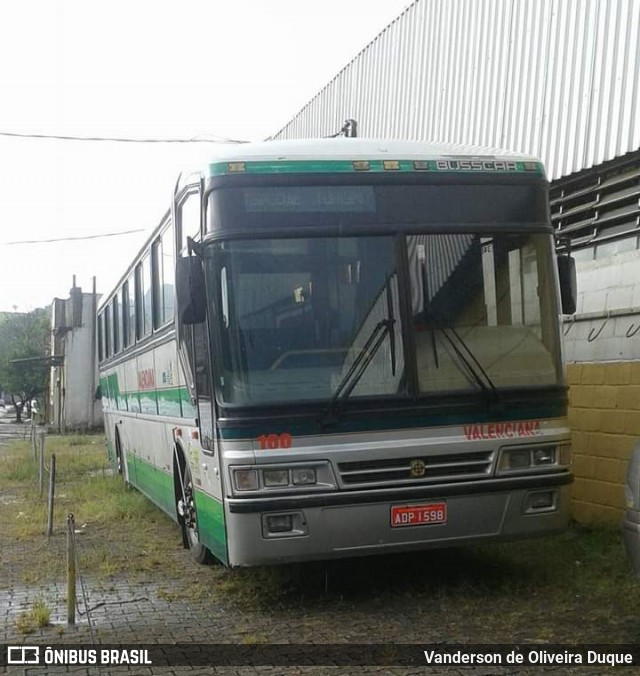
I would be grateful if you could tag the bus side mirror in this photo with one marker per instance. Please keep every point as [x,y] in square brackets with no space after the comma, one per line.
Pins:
[190,290]
[568,284]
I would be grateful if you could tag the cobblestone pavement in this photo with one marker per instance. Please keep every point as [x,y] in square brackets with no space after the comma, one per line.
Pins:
[162,610]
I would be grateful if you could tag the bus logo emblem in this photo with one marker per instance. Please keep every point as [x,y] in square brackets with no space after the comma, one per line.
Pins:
[418,468]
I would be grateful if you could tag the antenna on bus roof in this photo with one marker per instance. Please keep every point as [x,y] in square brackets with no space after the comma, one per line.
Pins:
[349,130]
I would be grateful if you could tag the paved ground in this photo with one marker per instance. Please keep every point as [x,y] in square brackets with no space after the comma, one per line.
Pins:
[163,608]
[9,430]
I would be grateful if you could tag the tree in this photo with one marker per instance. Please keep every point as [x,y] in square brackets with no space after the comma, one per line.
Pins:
[24,364]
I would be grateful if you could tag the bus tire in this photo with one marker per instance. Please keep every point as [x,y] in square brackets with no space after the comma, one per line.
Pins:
[187,515]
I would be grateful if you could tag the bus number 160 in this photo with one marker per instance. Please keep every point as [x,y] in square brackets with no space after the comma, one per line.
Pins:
[273,441]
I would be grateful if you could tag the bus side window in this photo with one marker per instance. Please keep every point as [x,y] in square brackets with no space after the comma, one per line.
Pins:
[101,354]
[143,297]
[167,267]
[201,360]
[189,218]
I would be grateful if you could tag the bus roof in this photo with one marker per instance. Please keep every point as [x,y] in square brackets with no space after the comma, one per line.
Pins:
[338,155]
[359,148]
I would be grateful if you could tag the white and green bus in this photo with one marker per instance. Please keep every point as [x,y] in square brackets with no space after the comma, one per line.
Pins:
[344,347]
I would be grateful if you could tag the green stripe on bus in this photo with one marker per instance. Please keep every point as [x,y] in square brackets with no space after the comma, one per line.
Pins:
[170,401]
[148,402]
[158,485]
[211,525]
[347,166]
[154,482]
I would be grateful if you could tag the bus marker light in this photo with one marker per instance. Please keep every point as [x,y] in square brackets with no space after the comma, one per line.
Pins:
[361,165]
[178,432]
[393,165]
[564,451]
[236,167]
[195,435]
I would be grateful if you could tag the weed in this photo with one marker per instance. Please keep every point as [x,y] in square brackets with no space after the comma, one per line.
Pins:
[35,618]
[79,440]
[169,595]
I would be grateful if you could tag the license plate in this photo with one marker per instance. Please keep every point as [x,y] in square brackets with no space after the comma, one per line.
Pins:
[418,515]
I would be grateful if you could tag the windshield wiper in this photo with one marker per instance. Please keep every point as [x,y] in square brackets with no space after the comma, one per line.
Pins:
[359,366]
[392,334]
[477,372]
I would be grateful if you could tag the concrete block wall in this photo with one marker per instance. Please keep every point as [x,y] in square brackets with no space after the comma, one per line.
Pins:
[604,415]
[605,287]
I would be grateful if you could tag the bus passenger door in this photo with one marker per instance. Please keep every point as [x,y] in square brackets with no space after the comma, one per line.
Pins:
[205,456]
[194,353]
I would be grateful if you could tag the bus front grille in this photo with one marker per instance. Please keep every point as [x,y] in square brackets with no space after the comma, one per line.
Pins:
[417,469]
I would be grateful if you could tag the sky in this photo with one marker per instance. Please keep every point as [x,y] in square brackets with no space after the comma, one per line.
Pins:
[194,69]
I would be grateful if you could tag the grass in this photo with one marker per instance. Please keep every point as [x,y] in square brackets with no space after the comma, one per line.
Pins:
[117,530]
[37,617]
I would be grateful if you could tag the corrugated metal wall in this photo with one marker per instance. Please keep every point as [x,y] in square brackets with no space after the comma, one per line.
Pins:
[559,79]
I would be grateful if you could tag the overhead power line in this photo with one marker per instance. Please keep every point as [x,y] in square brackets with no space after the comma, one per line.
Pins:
[70,239]
[114,139]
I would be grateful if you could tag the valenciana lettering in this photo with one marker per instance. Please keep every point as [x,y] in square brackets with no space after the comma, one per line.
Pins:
[507,430]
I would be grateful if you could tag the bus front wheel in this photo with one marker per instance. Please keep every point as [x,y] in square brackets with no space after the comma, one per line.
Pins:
[188,518]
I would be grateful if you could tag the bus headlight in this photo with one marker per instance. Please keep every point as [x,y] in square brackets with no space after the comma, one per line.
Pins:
[245,479]
[276,477]
[537,457]
[312,475]
[515,458]
[544,456]
[303,476]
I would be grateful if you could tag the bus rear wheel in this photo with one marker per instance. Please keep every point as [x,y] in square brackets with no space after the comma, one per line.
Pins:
[188,518]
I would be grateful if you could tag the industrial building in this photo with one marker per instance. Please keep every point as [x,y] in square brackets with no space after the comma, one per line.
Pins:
[73,404]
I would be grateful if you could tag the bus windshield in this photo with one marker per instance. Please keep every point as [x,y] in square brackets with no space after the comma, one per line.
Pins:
[311,318]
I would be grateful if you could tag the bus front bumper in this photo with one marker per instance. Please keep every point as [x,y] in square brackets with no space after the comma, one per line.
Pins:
[264,531]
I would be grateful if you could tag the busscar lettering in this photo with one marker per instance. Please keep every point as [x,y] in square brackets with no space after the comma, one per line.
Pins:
[509,430]
[476,165]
